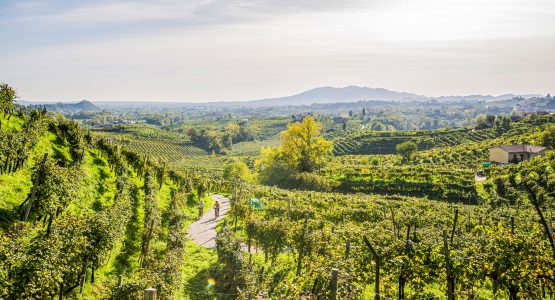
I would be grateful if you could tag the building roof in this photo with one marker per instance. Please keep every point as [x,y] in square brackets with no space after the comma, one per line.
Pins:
[522,148]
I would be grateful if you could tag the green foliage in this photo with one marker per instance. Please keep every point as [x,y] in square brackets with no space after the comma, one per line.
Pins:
[16,146]
[208,139]
[7,96]
[301,152]
[230,262]
[407,150]
[236,170]
[548,137]
[486,259]
[301,145]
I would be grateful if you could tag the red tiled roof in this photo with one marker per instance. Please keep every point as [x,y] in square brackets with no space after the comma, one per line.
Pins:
[522,148]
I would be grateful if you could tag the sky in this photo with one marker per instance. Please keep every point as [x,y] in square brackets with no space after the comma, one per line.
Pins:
[208,50]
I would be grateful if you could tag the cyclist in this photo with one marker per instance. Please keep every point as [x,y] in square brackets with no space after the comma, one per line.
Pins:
[217,209]
[200,209]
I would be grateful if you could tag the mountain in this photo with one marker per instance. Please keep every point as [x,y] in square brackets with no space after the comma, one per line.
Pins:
[83,105]
[330,94]
[324,95]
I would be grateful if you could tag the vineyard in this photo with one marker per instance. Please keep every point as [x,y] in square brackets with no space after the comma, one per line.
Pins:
[104,215]
[208,164]
[386,174]
[384,247]
[82,217]
[371,142]
[164,149]
[253,148]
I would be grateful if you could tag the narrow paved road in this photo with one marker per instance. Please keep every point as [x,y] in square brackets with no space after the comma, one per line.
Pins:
[203,231]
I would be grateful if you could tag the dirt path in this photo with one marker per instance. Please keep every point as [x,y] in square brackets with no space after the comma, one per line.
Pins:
[203,231]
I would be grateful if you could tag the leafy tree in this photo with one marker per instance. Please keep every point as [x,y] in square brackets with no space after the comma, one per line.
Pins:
[207,138]
[303,147]
[274,168]
[7,96]
[407,150]
[227,140]
[292,164]
[481,121]
[237,170]
[548,137]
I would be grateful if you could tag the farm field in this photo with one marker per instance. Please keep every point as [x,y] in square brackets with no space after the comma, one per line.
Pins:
[134,191]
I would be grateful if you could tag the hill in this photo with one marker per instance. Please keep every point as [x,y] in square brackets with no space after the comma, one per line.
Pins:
[82,105]
[320,95]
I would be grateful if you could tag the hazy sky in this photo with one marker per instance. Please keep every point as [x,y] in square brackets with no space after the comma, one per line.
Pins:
[178,50]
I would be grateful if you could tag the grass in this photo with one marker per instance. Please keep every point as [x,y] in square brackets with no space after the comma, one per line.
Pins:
[14,124]
[197,269]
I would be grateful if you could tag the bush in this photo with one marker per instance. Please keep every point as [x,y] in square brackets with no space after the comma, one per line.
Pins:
[311,181]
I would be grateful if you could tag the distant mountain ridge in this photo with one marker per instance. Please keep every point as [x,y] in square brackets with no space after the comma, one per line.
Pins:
[324,95]
[82,105]
[330,94]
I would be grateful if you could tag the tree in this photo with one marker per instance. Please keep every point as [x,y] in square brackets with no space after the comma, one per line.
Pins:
[301,144]
[344,126]
[407,149]
[481,121]
[237,170]
[7,96]
[548,137]
[302,152]
[364,111]
[227,141]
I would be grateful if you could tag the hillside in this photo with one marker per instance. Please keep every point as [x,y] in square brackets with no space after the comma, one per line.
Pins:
[118,202]
[384,142]
[66,107]
[88,213]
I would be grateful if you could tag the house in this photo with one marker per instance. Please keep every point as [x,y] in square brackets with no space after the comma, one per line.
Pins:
[514,153]
[515,118]
[299,117]
[244,122]
[340,119]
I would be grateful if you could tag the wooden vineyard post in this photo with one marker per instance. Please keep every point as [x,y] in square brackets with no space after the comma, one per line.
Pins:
[301,249]
[468,225]
[260,278]
[120,281]
[551,222]
[150,294]
[289,208]
[402,279]
[233,191]
[450,283]
[347,248]
[512,225]
[315,285]
[377,259]
[480,220]
[454,225]
[333,284]
[34,190]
